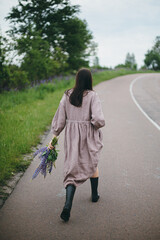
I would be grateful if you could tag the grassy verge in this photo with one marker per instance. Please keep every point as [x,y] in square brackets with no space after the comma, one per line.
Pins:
[25,115]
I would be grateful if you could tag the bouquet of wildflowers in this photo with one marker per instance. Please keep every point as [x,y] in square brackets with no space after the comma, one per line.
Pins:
[47,157]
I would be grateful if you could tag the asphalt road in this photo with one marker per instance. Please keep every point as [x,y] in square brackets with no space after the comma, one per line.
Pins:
[129,186]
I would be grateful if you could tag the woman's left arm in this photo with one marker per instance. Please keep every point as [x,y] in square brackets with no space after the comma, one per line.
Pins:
[97,117]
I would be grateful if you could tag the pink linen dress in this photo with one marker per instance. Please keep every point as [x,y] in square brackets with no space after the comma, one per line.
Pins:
[83,138]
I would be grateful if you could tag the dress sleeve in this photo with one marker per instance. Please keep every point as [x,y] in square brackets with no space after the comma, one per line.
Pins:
[97,117]
[59,119]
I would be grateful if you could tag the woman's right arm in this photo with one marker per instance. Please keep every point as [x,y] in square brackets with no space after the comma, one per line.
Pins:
[59,120]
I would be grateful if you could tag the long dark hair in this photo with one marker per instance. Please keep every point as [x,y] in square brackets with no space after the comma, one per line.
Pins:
[83,82]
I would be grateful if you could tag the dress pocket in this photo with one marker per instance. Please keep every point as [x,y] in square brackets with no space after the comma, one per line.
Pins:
[100,135]
[98,139]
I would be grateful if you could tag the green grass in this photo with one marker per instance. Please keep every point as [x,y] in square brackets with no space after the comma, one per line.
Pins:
[25,115]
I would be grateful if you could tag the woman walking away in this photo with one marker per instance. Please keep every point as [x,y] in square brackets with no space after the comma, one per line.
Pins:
[81,114]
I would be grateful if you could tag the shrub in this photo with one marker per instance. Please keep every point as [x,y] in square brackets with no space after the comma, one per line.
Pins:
[18,79]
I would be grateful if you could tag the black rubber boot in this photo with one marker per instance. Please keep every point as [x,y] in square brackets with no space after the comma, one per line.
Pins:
[70,190]
[94,186]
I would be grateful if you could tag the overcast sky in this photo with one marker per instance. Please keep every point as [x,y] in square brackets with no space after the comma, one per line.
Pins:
[118,26]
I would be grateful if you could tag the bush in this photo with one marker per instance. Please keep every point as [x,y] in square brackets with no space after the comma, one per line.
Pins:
[43,89]
[18,79]
[4,78]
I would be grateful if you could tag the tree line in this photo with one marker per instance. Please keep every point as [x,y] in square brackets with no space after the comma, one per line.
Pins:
[48,38]
[151,60]
[130,62]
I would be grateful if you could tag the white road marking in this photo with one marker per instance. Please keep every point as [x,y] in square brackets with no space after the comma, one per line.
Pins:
[137,104]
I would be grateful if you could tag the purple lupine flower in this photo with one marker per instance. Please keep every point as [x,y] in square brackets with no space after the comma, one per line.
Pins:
[47,157]
[51,165]
[40,150]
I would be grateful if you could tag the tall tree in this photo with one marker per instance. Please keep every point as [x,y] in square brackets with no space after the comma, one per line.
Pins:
[57,23]
[4,72]
[130,61]
[39,61]
[152,57]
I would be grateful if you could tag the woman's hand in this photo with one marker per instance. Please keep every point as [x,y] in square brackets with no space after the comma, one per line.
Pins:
[50,143]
